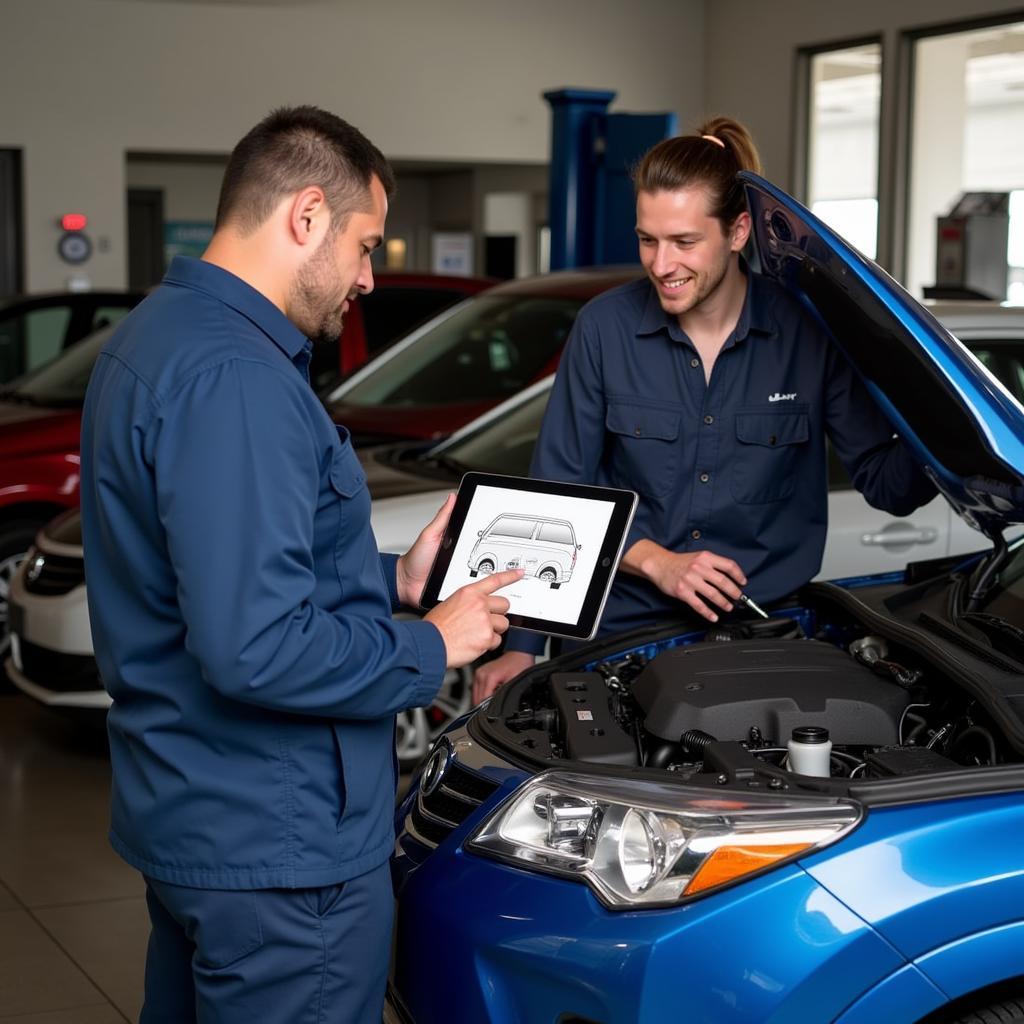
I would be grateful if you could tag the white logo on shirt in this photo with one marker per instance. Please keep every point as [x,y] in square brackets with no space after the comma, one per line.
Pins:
[781,398]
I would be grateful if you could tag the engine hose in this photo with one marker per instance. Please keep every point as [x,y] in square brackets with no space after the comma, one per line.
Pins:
[696,741]
[975,730]
[661,757]
[693,741]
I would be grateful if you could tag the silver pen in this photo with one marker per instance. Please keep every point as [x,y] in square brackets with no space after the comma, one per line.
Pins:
[754,607]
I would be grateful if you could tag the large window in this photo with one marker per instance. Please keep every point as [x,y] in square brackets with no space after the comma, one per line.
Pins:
[842,153]
[968,136]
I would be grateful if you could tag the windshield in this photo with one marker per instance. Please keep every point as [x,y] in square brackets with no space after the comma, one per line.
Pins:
[504,445]
[63,381]
[488,350]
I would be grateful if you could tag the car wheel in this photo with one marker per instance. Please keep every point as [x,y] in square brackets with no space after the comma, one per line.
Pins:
[15,539]
[1009,1012]
[486,567]
[549,576]
[417,728]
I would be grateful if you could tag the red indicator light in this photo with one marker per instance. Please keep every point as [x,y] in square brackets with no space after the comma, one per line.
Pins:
[74,221]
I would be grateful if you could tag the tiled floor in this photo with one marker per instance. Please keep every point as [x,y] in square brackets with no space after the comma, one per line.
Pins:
[73,923]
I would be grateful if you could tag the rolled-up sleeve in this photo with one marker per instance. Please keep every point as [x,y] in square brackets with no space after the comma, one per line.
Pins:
[236,469]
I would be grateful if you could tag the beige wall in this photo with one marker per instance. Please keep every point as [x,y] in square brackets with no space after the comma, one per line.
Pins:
[84,81]
[750,73]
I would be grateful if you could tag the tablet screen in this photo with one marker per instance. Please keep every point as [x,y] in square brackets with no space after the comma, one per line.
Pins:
[566,538]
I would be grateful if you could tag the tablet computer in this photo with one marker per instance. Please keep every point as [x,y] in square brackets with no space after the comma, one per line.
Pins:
[567,539]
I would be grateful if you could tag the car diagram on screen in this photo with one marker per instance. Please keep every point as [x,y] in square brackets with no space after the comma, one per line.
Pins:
[543,548]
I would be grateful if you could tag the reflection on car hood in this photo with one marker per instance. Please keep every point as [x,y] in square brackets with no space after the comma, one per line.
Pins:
[963,425]
[396,522]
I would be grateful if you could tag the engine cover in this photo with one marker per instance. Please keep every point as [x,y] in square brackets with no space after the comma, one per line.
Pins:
[724,689]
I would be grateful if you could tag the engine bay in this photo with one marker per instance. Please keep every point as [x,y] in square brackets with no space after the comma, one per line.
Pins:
[763,704]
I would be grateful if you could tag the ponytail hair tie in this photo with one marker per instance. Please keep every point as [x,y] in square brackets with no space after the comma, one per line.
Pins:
[715,139]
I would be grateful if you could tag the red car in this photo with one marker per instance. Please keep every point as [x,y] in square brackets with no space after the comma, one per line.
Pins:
[456,367]
[41,413]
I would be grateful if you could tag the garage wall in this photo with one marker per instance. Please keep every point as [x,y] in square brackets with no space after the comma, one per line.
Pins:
[85,81]
[750,73]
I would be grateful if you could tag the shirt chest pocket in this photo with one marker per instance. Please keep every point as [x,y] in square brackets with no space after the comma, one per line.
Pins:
[644,447]
[769,449]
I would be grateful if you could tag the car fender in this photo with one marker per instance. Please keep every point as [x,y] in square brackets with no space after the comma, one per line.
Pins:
[932,875]
[50,479]
[905,995]
[480,556]
[976,961]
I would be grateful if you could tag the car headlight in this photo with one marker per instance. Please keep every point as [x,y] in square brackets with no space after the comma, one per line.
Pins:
[639,844]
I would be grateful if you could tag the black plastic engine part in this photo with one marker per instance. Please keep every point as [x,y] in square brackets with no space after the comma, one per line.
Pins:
[590,731]
[773,685]
[908,761]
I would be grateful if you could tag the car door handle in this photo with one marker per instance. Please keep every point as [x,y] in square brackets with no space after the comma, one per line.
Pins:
[899,534]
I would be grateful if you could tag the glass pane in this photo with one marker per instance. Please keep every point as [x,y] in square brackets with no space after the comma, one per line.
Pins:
[107,316]
[557,533]
[488,349]
[63,381]
[504,445]
[44,334]
[506,527]
[842,163]
[968,136]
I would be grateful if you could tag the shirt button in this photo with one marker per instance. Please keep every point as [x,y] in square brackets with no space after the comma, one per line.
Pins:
[695,363]
[704,478]
[695,534]
[771,439]
[637,431]
[709,420]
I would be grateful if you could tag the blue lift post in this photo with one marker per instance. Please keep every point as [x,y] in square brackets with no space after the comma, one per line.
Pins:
[591,206]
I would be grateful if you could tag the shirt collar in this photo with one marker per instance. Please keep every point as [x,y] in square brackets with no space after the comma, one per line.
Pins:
[189,272]
[755,316]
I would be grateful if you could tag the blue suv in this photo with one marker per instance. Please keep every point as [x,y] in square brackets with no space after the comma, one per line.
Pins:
[814,817]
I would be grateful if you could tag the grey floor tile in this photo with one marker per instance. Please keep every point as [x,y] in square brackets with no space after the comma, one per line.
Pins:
[100,1014]
[35,974]
[76,867]
[54,775]
[7,902]
[108,941]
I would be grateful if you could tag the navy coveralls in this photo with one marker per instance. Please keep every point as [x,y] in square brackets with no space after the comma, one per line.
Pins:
[736,465]
[242,623]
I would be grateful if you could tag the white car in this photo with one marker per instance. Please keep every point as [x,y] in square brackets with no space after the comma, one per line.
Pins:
[51,655]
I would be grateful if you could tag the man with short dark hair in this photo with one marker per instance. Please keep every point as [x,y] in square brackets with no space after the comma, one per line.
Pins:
[241,613]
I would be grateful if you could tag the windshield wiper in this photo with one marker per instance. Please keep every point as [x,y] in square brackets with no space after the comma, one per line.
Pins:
[453,466]
[18,397]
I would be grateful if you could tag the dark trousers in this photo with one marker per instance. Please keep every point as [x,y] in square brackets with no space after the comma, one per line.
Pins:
[277,956]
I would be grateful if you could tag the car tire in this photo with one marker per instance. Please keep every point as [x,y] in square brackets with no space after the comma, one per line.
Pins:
[1009,1012]
[16,538]
[485,568]
[550,577]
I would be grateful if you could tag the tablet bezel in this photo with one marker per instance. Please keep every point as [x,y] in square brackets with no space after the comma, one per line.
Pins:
[624,506]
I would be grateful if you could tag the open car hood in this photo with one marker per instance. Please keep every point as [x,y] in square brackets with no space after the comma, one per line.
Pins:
[963,425]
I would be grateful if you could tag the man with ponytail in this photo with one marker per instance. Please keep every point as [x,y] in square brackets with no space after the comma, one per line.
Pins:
[706,388]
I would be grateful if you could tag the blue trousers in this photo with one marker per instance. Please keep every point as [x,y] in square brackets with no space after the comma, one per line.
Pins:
[277,956]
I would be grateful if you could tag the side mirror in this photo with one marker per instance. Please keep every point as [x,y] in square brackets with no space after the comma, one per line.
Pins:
[479,533]
[579,547]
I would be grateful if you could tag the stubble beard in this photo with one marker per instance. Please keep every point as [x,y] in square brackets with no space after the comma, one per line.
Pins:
[317,298]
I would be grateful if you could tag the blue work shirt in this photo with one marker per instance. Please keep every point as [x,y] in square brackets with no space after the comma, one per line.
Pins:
[735,465]
[240,609]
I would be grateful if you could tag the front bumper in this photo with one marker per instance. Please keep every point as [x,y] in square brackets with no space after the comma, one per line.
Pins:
[480,941]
